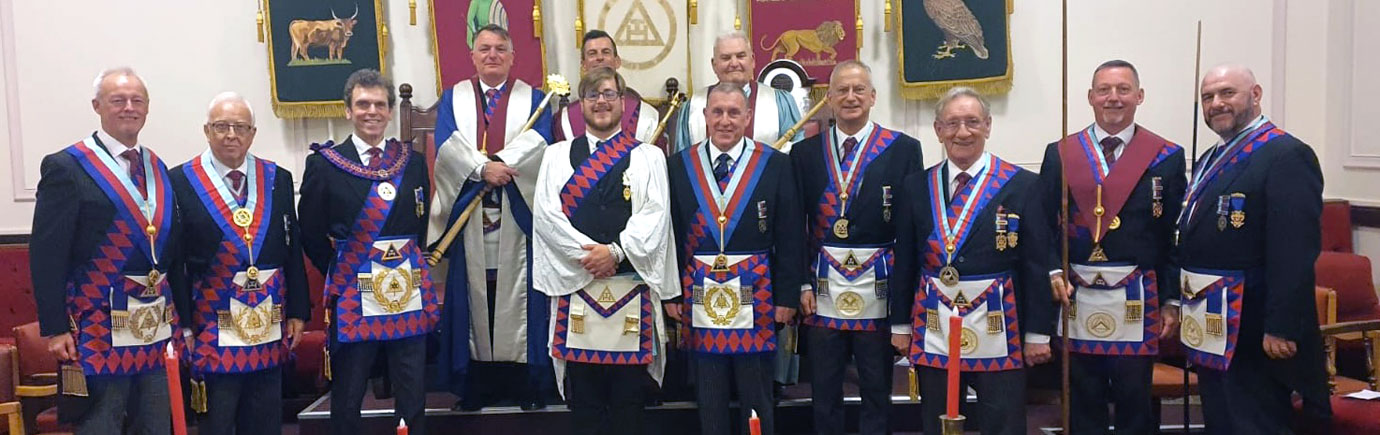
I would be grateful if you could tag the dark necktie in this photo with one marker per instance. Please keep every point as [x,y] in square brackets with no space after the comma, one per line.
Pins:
[490,100]
[960,181]
[374,158]
[1109,147]
[237,185]
[723,169]
[848,147]
[136,169]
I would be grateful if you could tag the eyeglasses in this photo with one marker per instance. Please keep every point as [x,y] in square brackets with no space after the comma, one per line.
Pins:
[225,127]
[608,94]
[973,124]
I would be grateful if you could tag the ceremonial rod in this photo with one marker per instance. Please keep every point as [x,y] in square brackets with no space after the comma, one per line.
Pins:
[781,141]
[1197,63]
[1064,216]
[557,85]
[665,119]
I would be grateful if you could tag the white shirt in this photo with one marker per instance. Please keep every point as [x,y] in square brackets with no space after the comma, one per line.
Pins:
[733,153]
[362,148]
[747,89]
[972,171]
[860,136]
[224,172]
[116,148]
[1125,135]
[484,89]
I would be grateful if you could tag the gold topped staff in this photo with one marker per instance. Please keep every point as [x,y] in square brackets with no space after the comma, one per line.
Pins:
[556,85]
[781,141]
[675,103]
[1064,221]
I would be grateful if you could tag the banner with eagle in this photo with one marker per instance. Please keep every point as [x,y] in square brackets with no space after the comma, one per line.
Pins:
[314,46]
[818,35]
[454,22]
[946,43]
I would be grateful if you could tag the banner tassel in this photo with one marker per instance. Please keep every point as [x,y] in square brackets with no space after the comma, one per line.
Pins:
[259,25]
[694,12]
[412,12]
[887,25]
[860,31]
[536,19]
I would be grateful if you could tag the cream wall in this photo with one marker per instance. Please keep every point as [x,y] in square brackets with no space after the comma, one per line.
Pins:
[1305,54]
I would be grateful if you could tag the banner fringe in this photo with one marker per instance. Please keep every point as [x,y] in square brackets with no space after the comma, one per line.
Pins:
[334,109]
[988,88]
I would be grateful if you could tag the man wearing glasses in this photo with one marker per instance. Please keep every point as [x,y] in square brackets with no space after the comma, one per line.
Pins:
[603,242]
[970,244]
[243,269]
[639,118]
[849,177]
[478,140]
[1125,188]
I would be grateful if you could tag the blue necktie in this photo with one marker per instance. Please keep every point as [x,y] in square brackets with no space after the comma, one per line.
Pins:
[723,168]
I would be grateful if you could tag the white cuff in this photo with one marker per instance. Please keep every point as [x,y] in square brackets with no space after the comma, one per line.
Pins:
[806,287]
[617,252]
[1056,272]
[478,173]
[1173,303]
[901,329]
[1033,338]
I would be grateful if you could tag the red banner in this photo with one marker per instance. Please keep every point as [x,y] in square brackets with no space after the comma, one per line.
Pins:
[453,24]
[819,33]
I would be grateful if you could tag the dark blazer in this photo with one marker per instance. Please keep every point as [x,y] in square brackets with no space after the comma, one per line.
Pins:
[332,199]
[71,216]
[785,223]
[866,224]
[201,239]
[1142,239]
[1029,262]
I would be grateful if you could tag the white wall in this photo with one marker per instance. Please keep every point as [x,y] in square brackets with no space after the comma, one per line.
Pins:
[1303,52]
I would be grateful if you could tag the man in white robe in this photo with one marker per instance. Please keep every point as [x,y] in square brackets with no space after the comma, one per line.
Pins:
[773,110]
[639,118]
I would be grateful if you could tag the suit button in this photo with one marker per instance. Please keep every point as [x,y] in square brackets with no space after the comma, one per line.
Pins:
[960,259]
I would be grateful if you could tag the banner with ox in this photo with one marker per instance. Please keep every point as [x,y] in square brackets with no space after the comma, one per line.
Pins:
[453,23]
[946,43]
[818,35]
[314,46]
[652,38]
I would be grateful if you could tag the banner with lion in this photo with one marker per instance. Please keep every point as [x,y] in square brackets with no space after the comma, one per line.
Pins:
[313,46]
[818,34]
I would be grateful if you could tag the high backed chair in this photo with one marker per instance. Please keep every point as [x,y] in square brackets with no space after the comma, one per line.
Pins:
[10,409]
[1353,415]
[36,377]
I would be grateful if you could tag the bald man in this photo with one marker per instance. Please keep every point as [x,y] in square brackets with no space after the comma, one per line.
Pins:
[773,111]
[1246,241]
[243,270]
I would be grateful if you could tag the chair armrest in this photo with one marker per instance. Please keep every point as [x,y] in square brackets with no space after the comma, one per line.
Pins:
[1352,326]
[14,415]
[36,390]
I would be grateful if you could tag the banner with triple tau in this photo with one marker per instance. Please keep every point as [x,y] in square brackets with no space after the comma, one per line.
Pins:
[652,39]
[454,22]
[947,43]
[818,35]
[313,47]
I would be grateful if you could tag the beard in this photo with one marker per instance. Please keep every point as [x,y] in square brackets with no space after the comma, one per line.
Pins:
[1239,121]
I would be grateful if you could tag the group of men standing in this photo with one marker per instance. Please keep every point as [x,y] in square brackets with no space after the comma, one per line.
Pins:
[576,250]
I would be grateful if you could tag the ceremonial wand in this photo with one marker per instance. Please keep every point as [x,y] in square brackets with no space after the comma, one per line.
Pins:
[675,102]
[1197,63]
[1064,220]
[785,138]
[556,85]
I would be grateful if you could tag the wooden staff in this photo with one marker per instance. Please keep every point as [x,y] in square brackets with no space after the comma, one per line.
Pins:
[1197,63]
[557,86]
[781,141]
[1064,217]
[676,100]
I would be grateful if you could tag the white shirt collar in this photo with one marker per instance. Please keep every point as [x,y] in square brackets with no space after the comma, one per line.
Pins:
[484,88]
[747,89]
[733,153]
[362,148]
[1125,135]
[223,170]
[110,144]
[972,171]
[594,140]
[860,136]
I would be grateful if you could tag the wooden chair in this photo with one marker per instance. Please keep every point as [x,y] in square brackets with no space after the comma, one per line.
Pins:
[10,408]
[1353,415]
[36,376]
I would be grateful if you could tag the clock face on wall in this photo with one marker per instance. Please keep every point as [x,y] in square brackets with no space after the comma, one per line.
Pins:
[789,76]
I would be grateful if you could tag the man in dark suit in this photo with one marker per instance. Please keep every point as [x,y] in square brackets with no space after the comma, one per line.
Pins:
[101,251]
[738,229]
[1247,240]
[847,177]
[1125,188]
[971,244]
[363,212]
[243,269]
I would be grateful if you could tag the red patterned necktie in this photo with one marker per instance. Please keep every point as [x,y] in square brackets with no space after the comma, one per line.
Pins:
[375,158]
[490,100]
[136,169]
[960,181]
[848,147]
[1109,146]
[237,185]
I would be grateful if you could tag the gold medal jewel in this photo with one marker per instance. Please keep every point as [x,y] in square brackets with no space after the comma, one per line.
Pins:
[1100,325]
[627,193]
[1116,223]
[252,273]
[720,264]
[949,276]
[243,217]
[841,228]
[387,191]
[1097,254]
[1192,332]
[151,286]
[850,304]
[968,340]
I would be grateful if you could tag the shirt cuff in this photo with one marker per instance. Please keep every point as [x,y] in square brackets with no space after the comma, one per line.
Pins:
[1056,272]
[1173,303]
[806,287]
[1033,338]
[477,174]
[903,329]
[617,252]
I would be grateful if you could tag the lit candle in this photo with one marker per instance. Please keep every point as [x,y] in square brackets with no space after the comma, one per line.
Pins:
[754,424]
[402,427]
[170,363]
[955,355]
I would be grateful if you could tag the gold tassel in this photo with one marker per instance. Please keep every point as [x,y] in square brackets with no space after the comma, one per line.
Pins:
[737,21]
[326,350]
[579,28]
[412,12]
[199,398]
[887,19]
[383,48]
[259,25]
[694,12]
[536,19]
[913,384]
[860,31]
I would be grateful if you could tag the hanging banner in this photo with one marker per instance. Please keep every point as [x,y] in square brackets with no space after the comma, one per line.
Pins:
[454,22]
[313,47]
[818,34]
[652,39]
[947,43]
